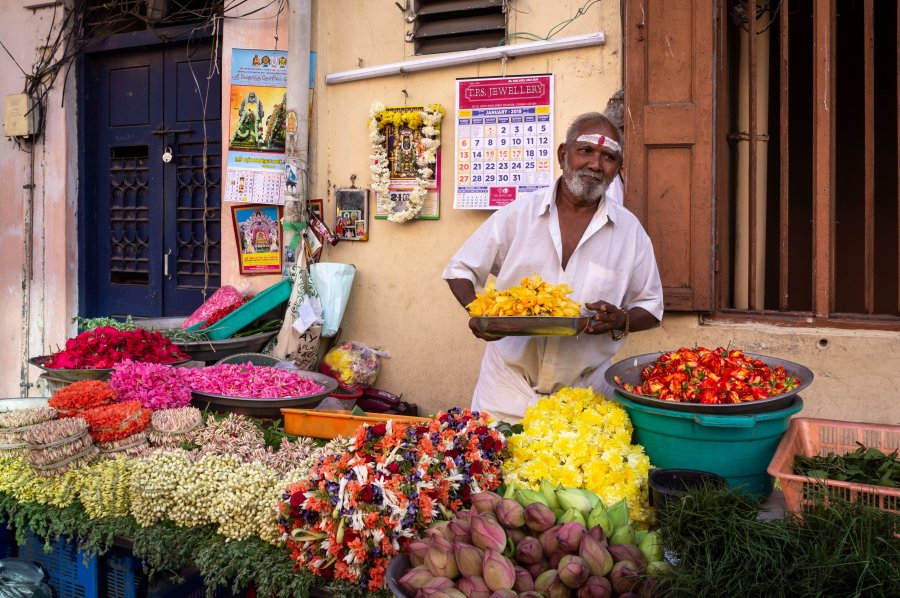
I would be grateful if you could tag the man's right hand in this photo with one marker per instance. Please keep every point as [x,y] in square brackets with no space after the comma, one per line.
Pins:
[482,335]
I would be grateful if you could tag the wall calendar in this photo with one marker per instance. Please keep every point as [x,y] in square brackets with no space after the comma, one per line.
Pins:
[504,139]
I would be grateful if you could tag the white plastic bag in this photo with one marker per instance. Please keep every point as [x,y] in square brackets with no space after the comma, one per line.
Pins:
[333,282]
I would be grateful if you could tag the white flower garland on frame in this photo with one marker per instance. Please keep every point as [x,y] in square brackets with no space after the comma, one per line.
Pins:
[428,122]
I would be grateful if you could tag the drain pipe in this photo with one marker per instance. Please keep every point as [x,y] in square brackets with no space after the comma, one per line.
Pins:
[27,275]
[297,137]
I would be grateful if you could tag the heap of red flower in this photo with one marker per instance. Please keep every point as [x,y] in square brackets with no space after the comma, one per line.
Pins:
[116,421]
[85,394]
[357,510]
[223,311]
[719,376]
[103,347]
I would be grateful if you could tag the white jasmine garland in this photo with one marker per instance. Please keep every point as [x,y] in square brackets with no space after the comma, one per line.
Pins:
[430,132]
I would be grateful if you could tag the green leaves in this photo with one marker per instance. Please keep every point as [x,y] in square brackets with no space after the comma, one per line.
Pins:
[862,466]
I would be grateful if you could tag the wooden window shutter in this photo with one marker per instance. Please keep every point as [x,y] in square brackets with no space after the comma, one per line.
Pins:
[669,58]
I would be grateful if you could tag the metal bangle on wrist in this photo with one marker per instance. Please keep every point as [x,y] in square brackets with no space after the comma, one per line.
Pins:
[619,335]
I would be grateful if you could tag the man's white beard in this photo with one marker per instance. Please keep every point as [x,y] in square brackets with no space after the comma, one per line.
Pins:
[586,189]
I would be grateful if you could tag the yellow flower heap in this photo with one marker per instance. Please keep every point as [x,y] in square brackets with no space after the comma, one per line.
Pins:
[533,297]
[579,439]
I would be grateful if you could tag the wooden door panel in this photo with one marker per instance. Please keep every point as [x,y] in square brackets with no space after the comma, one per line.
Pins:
[669,140]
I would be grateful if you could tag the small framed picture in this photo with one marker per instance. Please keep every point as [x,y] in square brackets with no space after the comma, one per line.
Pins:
[257,232]
[351,218]
[316,207]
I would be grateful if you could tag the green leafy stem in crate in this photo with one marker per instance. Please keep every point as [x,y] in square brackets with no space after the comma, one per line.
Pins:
[862,466]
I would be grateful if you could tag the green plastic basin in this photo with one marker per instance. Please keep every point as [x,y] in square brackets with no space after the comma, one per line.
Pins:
[736,447]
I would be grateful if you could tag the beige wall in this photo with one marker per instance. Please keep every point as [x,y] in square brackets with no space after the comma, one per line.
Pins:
[399,301]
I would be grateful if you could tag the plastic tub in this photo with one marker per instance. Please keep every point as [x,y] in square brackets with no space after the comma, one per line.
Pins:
[334,423]
[246,314]
[736,447]
[666,484]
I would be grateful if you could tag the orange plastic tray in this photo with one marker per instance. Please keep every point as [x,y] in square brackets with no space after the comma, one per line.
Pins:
[331,423]
[810,437]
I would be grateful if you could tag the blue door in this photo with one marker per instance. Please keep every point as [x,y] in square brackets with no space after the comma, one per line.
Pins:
[150,241]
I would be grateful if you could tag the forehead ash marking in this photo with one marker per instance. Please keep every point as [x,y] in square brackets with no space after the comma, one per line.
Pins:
[601,140]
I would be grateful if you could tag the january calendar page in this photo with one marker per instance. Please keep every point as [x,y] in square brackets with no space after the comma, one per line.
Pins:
[504,139]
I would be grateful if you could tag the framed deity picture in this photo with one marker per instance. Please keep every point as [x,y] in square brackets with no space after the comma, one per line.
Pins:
[351,218]
[257,232]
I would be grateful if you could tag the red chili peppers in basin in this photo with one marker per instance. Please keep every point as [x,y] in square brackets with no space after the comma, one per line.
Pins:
[712,376]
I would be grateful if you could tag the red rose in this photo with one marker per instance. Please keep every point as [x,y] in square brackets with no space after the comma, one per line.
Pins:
[365,494]
[393,468]
[476,468]
[297,499]
[379,429]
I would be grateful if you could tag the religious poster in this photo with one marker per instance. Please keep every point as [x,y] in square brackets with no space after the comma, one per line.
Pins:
[408,145]
[351,219]
[504,139]
[257,231]
[255,168]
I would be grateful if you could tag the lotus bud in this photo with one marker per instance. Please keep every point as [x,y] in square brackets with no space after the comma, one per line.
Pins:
[639,535]
[657,568]
[451,593]
[499,572]
[600,517]
[629,595]
[485,501]
[568,499]
[509,489]
[440,593]
[623,535]
[618,515]
[538,568]
[528,551]
[652,547]
[556,557]
[464,515]
[468,559]
[543,581]
[550,539]
[417,550]
[557,589]
[628,552]
[649,587]
[596,587]
[526,496]
[510,513]
[439,583]
[595,556]
[593,499]
[440,559]
[549,492]
[459,530]
[439,528]
[570,536]
[573,515]
[473,586]
[598,534]
[516,535]
[487,534]
[415,579]
[539,517]
[573,571]
[489,516]
[624,576]
[505,594]
[530,594]
[524,581]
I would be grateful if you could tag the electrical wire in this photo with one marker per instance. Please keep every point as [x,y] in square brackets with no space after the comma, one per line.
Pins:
[553,30]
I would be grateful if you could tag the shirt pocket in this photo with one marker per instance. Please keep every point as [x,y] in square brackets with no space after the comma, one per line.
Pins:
[605,284]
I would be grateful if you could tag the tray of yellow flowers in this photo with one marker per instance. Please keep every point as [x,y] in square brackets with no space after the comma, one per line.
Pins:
[534,308]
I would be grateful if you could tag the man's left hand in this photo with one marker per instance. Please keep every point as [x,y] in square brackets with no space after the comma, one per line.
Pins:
[606,317]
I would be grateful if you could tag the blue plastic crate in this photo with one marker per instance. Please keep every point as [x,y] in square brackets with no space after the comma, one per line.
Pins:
[246,314]
[70,572]
[125,578]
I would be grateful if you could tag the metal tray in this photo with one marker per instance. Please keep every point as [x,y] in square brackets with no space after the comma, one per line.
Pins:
[215,350]
[531,325]
[629,370]
[83,374]
[266,407]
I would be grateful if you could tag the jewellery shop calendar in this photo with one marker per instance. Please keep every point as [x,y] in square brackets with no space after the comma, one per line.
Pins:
[504,139]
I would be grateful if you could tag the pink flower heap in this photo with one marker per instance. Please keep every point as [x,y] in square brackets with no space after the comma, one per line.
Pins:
[357,510]
[155,386]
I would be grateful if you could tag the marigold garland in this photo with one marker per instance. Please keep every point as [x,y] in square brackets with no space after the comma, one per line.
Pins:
[77,397]
[581,440]
[116,421]
[428,122]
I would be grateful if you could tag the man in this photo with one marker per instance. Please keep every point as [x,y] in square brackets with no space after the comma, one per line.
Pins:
[568,234]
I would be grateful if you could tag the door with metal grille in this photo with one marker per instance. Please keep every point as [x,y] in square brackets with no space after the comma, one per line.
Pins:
[150,234]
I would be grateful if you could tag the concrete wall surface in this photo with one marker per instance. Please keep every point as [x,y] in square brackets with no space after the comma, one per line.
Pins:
[399,302]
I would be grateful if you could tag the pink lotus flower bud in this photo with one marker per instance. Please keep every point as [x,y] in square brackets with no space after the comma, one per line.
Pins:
[510,513]
[550,540]
[539,517]
[485,501]
[516,535]
[628,552]
[531,594]
[439,583]
[528,551]
[543,581]
[556,557]
[570,536]
[464,515]
[598,534]
[505,594]
[538,568]
[595,555]
[499,573]
[440,559]
[473,586]
[440,528]
[487,534]
[596,587]
[524,581]
[468,559]
[573,571]
[417,550]
[415,579]
[459,531]
[624,576]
